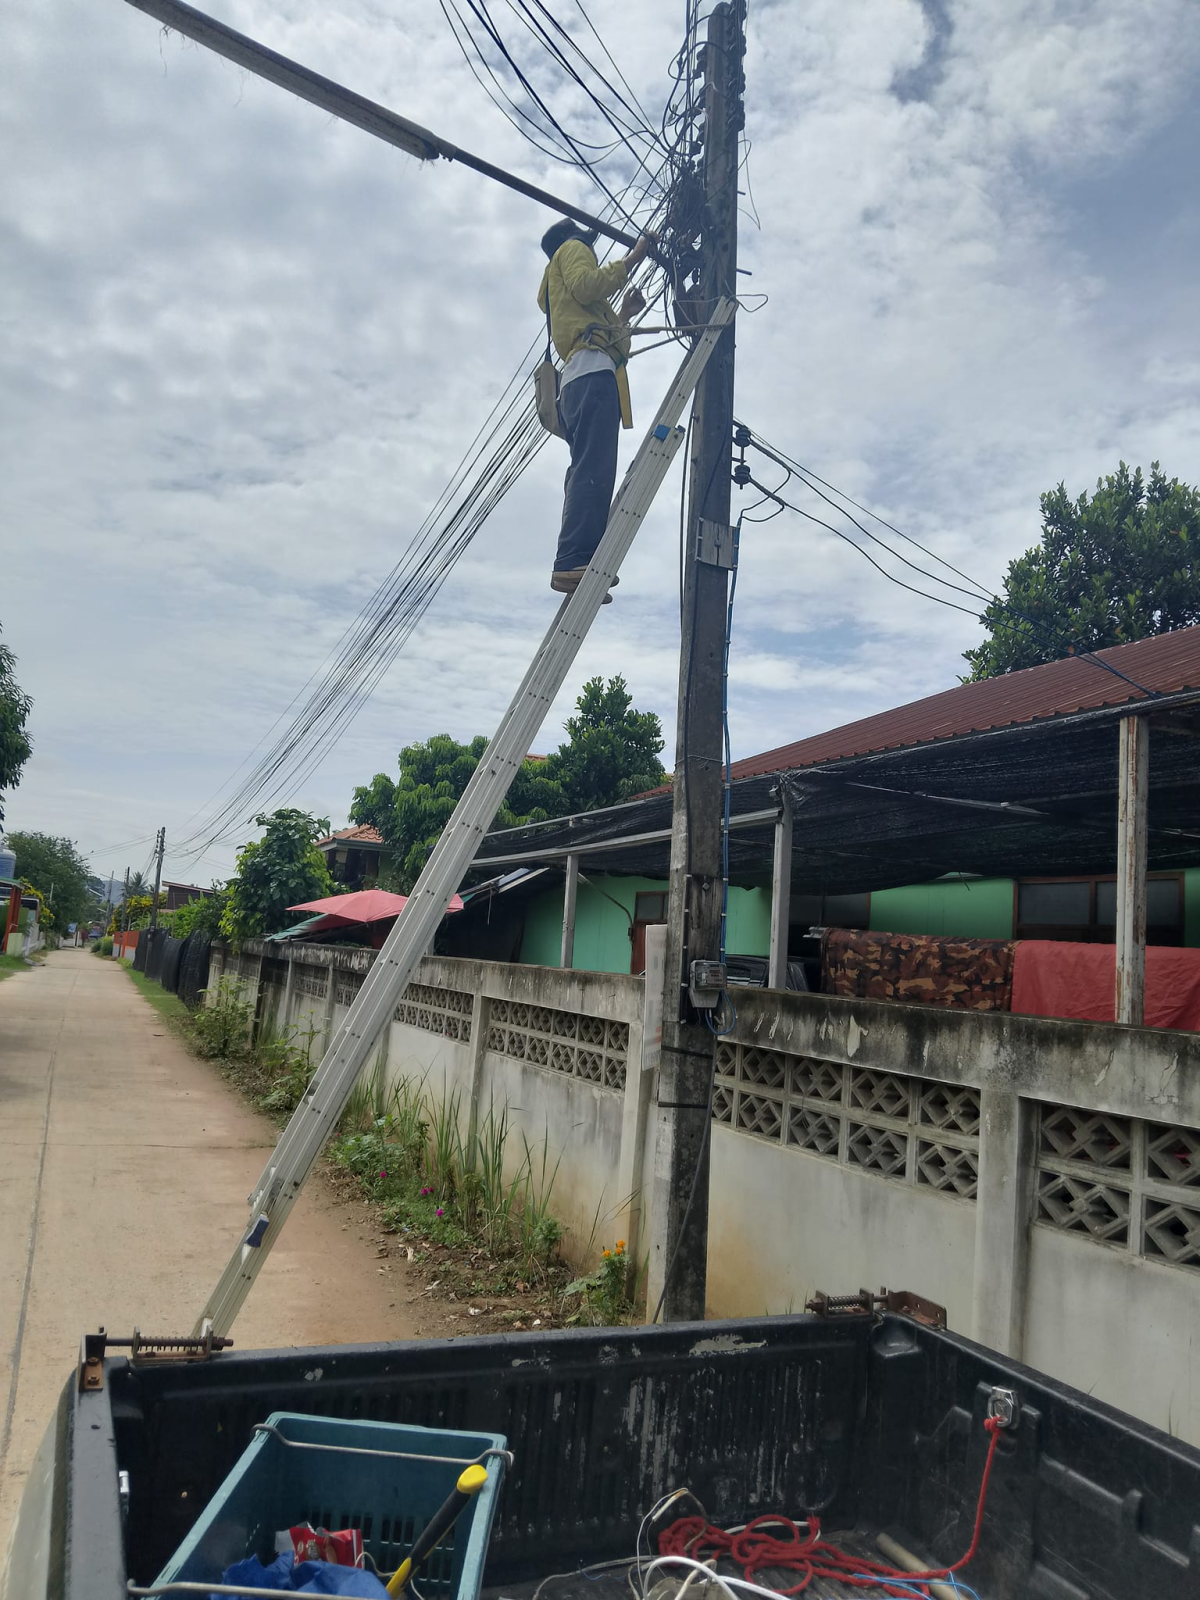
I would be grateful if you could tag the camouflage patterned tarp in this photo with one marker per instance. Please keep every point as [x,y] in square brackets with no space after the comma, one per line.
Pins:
[919,969]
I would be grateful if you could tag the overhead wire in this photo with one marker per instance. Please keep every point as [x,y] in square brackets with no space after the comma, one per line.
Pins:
[1010,618]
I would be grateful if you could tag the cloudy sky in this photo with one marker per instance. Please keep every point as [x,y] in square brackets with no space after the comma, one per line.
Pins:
[244,346]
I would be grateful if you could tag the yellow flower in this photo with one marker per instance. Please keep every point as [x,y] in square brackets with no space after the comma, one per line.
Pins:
[620,1245]
[607,1253]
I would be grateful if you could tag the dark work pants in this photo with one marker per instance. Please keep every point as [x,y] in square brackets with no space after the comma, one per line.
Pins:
[590,411]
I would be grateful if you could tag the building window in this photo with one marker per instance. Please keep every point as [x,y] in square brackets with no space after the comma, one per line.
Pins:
[650,908]
[1085,909]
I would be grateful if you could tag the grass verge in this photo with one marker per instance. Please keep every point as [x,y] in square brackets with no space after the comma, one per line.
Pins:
[11,964]
[169,1006]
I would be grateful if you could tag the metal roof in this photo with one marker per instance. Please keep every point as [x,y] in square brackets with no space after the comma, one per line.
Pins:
[1164,664]
[1035,797]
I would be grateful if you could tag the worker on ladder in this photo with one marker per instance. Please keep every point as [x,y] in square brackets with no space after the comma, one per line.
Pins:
[593,401]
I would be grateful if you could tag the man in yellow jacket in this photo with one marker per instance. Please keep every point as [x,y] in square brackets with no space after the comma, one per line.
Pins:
[593,341]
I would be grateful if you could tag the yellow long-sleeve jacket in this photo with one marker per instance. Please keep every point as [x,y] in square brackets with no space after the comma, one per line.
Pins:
[581,317]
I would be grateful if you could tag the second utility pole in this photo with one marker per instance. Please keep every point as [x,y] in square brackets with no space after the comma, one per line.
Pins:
[679,1273]
[159,847]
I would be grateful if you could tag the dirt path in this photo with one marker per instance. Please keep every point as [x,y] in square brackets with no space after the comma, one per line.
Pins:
[124,1167]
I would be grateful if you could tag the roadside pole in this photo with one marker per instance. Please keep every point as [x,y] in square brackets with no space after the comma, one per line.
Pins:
[694,915]
[160,847]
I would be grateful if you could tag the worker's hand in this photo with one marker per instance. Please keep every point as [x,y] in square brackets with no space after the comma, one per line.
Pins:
[633,302]
[641,250]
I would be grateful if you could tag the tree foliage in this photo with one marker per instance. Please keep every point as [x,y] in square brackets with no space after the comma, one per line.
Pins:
[15,706]
[283,868]
[59,874]
[134,911]
[611,753]
[1111,567]
[204,913]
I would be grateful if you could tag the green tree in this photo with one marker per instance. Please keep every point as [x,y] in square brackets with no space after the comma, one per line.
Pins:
[58,872]
[611,752]
[203,914]
[1111,567]
[14,710]
[283,868]
[411,813]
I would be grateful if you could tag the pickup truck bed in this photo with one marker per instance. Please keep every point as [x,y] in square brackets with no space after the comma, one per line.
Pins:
[872,1423]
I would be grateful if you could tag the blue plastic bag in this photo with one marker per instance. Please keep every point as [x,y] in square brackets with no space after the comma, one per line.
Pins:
[310,1577]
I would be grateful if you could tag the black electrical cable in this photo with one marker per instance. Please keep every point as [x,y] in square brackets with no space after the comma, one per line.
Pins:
[1014,622]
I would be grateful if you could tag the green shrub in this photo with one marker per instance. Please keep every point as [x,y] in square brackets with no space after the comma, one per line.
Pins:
[222,1025]
[103,947]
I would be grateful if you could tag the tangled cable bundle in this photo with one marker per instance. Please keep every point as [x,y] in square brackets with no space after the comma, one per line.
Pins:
[775,1543]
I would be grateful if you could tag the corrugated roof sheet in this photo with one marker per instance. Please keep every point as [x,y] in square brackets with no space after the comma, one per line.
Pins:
[1166,663]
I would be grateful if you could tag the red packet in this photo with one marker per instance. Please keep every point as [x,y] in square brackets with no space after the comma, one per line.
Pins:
[343,1549]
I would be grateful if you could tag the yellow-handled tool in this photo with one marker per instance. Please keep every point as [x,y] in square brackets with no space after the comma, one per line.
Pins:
[470,1481]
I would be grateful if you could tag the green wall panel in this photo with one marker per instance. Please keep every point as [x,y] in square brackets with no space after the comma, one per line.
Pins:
[602,928]
[968,908]
[1191,906]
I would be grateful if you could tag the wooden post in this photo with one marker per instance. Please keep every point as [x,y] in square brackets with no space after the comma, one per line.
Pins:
[781,892]
[1131,871]
[570,890]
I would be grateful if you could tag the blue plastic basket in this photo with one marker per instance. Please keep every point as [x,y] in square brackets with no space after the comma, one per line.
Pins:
[389,1493]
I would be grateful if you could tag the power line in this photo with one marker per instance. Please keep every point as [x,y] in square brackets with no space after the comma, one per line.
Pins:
[1009,617]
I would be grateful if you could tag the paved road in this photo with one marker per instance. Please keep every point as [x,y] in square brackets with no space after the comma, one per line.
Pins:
[124,1167]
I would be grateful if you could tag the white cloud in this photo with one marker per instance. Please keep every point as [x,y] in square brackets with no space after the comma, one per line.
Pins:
[245,344]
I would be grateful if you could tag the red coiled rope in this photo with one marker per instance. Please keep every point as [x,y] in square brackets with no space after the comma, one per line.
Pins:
[755,1550]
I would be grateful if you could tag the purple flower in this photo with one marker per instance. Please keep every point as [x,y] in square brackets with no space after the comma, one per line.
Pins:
[426,1191]
[383,1174]
[440,1212]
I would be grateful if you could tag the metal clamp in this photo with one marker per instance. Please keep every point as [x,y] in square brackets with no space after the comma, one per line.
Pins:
[900,1302]
[1004,1408]
[144,1349]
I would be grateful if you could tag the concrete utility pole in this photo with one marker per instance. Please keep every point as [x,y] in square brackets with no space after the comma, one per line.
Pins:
[160,847]
[694,915]
[125,903]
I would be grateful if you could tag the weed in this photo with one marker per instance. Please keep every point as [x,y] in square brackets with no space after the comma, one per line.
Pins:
[223,1023]
[459,1189]
[538,1232]
[603,1296]
[368,1100]
[444,1144]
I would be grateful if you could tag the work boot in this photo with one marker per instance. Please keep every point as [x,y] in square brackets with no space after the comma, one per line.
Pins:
[566,582]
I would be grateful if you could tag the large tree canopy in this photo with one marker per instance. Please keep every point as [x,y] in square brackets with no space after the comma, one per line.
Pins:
[284,868]
[1111,567]
[14,710]
[59,874]
[611,753]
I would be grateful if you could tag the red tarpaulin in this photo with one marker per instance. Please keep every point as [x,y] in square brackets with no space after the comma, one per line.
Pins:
[1053,979]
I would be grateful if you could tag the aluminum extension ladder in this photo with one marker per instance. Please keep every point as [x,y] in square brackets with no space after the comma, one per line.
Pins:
[333,1082]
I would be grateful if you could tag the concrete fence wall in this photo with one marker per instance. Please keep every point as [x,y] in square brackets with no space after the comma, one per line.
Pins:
[1040,1179]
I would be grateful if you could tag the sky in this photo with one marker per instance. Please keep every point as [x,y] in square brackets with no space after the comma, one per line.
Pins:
[244,346]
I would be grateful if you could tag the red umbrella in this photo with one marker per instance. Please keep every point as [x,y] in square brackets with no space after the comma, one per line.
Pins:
[367,905]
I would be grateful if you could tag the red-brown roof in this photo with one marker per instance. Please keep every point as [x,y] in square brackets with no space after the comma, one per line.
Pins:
[363,834]
[1166,663]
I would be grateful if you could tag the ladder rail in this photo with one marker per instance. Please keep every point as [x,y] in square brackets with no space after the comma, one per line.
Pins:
[333,1082]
